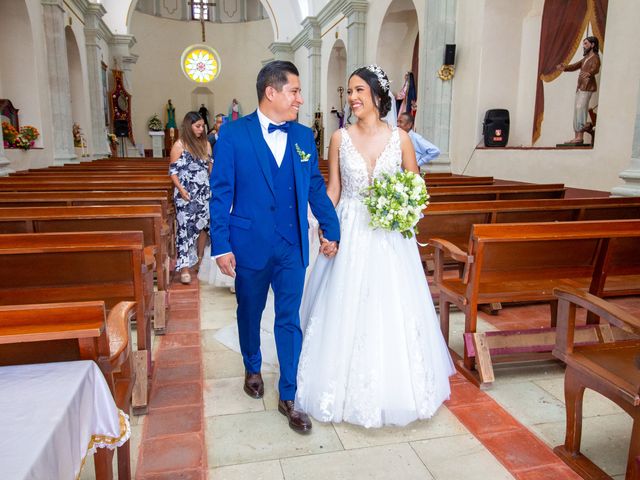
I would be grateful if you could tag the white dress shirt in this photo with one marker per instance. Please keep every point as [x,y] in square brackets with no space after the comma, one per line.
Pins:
[276,140]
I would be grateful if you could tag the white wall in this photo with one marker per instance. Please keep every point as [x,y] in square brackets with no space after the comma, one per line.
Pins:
[474,88]
[157,75]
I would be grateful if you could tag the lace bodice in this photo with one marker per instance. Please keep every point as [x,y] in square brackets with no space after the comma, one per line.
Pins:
[356,173]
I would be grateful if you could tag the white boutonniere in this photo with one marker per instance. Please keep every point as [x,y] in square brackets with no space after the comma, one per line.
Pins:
[304,157]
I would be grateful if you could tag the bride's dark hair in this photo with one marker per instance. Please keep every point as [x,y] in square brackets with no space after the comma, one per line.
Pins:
[380,95]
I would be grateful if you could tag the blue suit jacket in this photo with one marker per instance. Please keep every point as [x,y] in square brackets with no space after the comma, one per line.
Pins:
[241,178]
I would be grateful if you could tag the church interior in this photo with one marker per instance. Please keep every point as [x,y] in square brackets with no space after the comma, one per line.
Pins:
[530,243]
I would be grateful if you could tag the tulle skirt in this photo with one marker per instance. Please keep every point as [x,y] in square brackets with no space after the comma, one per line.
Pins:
[373,353]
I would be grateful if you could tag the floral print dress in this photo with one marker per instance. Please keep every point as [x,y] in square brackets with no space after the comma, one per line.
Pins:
[192,216]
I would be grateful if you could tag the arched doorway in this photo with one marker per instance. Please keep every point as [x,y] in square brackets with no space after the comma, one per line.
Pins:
[397,51]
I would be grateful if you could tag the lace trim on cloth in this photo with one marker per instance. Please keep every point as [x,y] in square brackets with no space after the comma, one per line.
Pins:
[106,441]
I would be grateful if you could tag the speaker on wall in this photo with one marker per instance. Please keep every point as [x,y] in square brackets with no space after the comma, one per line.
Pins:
[450,54]
[121,128]
[495,128]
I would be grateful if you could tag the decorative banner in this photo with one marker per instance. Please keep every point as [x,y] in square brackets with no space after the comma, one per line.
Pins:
[200,63]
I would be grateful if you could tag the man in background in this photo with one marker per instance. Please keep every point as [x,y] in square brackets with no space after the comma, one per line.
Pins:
[425,150]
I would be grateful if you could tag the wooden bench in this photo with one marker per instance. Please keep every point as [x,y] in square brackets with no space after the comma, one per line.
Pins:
[523,262]
[84,266]
[22,184]
[55,332]
[609,367]
[475,193]
[453,220]
[144,218]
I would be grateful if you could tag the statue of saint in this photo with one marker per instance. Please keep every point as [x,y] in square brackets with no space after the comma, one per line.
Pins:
[589,66]
[171,115]
[235,110]
[204,113]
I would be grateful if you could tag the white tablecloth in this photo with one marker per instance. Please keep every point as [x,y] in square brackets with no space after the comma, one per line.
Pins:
[51,416]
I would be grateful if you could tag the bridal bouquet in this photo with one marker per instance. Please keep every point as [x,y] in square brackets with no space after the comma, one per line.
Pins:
[395,202]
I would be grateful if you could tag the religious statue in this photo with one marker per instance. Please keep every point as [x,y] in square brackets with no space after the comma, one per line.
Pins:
[318,133]
[589,66]
[77,135]
[204,113]
[171,115]
[235,110]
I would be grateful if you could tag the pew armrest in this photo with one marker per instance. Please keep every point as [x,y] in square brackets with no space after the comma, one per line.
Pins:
[118,322]
[444,248]
[568,299]
[150,257]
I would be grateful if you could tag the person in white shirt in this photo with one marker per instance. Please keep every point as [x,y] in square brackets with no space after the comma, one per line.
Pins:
[425,150]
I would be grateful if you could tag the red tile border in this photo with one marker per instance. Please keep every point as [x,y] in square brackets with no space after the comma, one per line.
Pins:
[173,437]
[509,441]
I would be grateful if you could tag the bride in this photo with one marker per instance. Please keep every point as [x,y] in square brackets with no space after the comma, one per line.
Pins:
[373,353]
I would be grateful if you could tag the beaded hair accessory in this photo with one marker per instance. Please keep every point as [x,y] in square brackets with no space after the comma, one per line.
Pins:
[383,81]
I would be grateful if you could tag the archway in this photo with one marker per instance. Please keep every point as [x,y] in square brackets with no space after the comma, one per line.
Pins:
[79,112]
[336,77]
[397,43]
[18,69]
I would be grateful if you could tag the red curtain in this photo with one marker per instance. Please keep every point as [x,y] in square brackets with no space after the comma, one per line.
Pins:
[599,21]
[563,22]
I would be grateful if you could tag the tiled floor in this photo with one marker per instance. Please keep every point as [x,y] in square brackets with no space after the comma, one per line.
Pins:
[201,422]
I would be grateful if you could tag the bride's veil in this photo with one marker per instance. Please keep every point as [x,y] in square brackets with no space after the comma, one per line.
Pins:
[392,117]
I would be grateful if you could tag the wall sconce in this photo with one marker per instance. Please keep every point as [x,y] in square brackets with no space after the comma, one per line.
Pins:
[447,70]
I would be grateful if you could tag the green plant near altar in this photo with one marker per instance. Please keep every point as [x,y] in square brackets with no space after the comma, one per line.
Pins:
[154,124]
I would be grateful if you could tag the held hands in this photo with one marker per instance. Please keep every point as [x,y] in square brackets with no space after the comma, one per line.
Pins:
[328,248]
[227,264]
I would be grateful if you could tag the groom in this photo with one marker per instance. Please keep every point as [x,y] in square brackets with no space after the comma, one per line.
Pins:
[266,172]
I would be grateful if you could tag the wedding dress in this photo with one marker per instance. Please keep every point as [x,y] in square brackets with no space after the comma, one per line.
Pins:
[372,353]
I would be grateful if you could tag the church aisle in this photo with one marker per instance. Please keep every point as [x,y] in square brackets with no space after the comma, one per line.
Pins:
[248,438]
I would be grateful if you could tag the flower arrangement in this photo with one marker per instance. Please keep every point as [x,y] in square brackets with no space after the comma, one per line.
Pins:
[113,140]
[23,139]
[154,124]
[9,134]
[395,202]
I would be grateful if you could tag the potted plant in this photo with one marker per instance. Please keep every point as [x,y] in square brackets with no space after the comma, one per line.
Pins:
[154,124]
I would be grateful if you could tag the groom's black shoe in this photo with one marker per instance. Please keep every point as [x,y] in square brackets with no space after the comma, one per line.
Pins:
[298,421]
[253,384]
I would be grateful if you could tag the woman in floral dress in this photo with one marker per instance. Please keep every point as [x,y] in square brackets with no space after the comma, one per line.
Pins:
[190,168]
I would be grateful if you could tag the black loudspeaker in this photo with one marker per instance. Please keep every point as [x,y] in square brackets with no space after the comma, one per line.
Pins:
[450,54]
[496,128]
[121,128]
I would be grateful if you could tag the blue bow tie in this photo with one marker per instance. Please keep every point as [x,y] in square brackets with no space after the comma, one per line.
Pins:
[273,127]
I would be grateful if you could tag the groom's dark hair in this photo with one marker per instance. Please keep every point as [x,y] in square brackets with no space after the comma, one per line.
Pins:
[274,74]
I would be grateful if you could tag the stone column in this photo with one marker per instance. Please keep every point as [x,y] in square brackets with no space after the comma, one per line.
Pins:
[282,51]
[58,69]
[92,34]
[356,13]
[631,175]
[434,95]
[4,161]
[313,43]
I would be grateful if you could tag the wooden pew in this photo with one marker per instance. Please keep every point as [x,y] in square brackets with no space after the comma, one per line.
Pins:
[475,193]
[90,197]
[522,262]
[453,220]
[609,367]
[55,332]
[144,218]
[18,184]
[84,266]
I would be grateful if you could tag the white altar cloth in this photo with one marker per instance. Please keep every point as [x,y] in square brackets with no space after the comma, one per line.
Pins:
[51,416]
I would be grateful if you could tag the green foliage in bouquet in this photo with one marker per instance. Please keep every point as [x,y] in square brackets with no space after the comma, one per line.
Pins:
[396,202]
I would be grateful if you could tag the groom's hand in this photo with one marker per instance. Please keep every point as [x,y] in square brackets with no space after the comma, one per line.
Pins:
[328,248]
[227,264]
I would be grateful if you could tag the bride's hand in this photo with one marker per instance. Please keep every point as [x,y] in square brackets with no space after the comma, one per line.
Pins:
[328,249]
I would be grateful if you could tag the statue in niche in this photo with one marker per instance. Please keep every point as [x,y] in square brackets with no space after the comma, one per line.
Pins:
[589,66]
[171,115]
